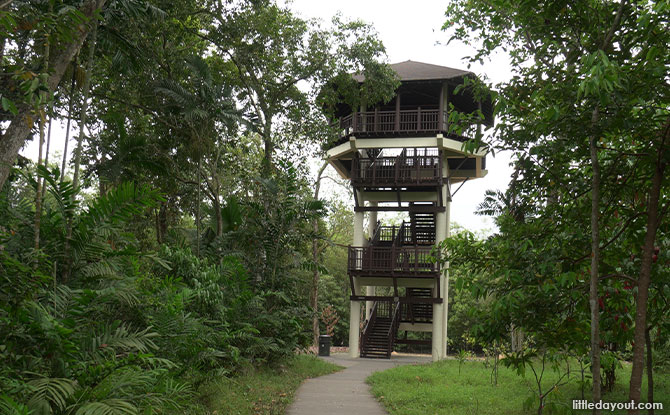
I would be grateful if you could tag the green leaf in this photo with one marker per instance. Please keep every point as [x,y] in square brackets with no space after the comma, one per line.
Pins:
[8,105]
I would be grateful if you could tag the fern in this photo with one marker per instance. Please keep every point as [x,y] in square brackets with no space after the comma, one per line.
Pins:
[9,406]
[119,338]
[49,394]
[108,407]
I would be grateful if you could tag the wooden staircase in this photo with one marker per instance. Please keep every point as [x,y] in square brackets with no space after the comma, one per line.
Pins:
[417,312]
[422,227]
[380,331]
[377,343]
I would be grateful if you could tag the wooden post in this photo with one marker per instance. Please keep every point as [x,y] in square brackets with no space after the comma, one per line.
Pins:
[416,159]
[440,110]
[418,119]
[354,122]
[445,115]
[376,126]
[397,112]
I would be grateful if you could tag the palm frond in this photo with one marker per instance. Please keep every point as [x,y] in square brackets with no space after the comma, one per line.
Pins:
[9,406]
[50,393]
[108,407]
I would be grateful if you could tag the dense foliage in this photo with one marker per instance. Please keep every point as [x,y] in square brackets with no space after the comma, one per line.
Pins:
[580,262]
[173,247]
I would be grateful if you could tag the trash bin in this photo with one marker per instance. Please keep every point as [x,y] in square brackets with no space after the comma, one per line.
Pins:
[324,345]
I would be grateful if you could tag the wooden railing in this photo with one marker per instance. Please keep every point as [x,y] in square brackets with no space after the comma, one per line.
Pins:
[407,261]
[365,332]
[416,167]
[403,121]
[416,312]
[393,330]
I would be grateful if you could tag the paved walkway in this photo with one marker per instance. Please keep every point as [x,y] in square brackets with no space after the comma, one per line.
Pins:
[346,392]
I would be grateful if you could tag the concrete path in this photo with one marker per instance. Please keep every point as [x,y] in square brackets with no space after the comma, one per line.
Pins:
[346,392]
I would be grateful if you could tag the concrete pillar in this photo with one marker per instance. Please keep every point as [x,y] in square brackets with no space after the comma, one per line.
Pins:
[444,278]
[444,283]
[370,290]
[372,220]
[438,309]
[355,306]
[354,325]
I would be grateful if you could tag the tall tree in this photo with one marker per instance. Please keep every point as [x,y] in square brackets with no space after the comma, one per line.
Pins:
[281,62]
[73,25]
[587,88]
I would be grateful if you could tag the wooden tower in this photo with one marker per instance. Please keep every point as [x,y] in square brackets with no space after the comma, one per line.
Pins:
[401,157]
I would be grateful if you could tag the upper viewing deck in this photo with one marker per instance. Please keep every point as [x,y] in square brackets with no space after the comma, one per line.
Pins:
[420,107]
[390,123]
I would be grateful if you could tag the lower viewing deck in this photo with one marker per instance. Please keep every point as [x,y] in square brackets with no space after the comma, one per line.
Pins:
[407,261]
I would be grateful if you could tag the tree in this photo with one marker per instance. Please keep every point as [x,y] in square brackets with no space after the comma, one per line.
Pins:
[281,69]
[589,96]
[73,26]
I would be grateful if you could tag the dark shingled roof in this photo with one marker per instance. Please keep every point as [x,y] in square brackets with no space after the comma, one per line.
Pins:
[419,71]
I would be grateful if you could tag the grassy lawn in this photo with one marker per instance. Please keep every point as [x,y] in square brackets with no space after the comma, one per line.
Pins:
[438,388]
[263,391]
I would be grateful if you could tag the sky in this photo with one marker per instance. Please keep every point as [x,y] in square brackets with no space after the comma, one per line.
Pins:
[410,31]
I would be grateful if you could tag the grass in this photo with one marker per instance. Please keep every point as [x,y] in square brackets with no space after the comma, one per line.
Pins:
[438,388]
[263,391]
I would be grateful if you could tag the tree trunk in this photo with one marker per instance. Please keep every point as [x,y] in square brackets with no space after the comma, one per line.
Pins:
[197,214]
[314,298]
[38,192]
[42,115]
[46,156]
[217,213]
[268,148]
[18,130]
[84,106]
[644,279]
[80,140]
[595,261]
[161,223]
[67,127]
[650,371]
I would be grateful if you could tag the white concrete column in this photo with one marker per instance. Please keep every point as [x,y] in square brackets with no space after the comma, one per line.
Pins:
[439,341]
[354,324]
[445,285]
[359,235]
[372,220]
[437,334]
[370,290]
[444,278]
[438,309]
[355,306]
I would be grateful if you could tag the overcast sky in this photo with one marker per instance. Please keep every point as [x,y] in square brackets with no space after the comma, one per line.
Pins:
[410,31]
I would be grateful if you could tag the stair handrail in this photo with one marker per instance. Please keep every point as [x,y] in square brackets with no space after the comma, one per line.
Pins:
[393,330]
[400,236]
[368,324]
[356,166]
[376,235]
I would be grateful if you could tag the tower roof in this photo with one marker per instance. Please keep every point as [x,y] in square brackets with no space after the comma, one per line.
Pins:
[420,71]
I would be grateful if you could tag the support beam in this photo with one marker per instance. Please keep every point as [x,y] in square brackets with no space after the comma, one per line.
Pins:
[440,310]
[441,235]
[407,300]
[370,290]
[354,327]
[418,209]
[436,338]
[355,306]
